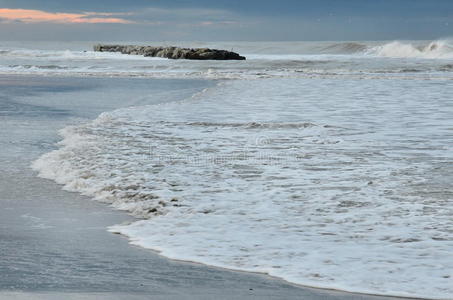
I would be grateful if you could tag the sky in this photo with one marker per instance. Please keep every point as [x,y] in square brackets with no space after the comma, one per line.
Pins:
[225,20]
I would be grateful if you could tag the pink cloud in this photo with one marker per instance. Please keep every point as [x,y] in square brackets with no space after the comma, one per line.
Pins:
[38,16]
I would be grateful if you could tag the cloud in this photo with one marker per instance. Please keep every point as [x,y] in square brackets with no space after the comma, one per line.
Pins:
[184,15]
[148,16]
[39,16]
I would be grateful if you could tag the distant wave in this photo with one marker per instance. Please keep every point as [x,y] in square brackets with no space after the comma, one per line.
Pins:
[435,49]
[68,55]
[340,48]
[345,48]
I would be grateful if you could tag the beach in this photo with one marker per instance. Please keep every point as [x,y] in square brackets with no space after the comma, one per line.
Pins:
[310,170]
[54,243]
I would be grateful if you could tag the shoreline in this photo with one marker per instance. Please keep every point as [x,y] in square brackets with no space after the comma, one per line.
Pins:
[277,278]
[131,296]
[295,290]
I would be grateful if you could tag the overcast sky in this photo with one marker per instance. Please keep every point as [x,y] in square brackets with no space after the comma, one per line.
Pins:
[225,20]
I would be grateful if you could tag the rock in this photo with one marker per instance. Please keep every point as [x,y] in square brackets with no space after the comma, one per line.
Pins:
[171,52]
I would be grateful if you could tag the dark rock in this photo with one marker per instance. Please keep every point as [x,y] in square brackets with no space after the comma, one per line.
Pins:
[171,52]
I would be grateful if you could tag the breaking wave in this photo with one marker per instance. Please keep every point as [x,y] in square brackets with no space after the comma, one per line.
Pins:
[441,49]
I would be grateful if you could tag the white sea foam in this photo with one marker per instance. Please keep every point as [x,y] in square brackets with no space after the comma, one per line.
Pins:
[339,184]
[437,49]
[70,55]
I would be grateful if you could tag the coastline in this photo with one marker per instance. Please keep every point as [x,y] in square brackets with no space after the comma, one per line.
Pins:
[332,292]
[75,210]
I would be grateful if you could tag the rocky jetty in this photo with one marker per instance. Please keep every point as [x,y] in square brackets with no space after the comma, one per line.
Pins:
[171,52]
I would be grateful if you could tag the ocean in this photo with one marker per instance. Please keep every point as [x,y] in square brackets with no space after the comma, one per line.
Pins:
[327,164]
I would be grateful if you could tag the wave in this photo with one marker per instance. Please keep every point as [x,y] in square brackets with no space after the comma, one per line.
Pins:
[251,125]
[39,67]
[248,175]
[315,51]
[345,48]
[69,55]
[442,49]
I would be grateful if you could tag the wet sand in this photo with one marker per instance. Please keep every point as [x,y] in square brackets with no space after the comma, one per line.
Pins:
[54,243]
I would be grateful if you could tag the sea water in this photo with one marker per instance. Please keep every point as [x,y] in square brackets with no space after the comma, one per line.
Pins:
[326,164]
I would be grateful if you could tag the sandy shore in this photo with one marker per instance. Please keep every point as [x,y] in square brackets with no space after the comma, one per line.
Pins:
[222,295]
[54,244]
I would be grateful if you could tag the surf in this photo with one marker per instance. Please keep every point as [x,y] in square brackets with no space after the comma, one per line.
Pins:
[327,188]
[441,49]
